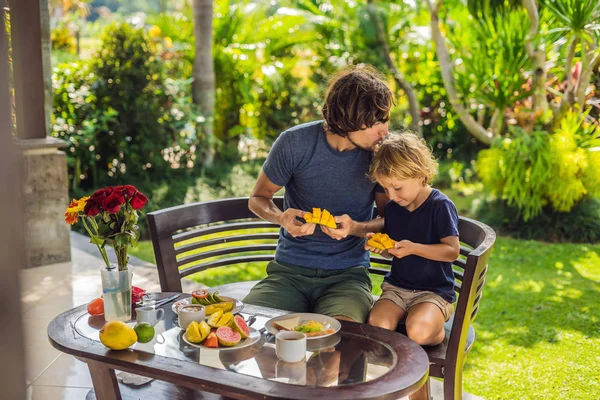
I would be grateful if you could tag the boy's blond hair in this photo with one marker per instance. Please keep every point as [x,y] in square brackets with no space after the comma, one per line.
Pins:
[403,156]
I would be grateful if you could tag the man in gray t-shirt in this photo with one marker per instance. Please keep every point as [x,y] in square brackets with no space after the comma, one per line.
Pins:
[324,164]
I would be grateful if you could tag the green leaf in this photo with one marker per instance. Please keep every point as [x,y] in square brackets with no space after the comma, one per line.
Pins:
[96,240]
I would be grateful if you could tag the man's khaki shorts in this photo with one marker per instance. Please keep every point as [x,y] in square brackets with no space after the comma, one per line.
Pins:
[405,299]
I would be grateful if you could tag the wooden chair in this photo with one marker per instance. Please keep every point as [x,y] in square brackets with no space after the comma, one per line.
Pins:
[200,236]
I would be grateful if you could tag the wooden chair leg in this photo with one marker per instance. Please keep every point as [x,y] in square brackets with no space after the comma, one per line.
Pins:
[453,384]
[424,393]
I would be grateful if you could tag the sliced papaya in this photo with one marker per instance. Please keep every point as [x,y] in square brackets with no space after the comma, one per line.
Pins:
[211,340]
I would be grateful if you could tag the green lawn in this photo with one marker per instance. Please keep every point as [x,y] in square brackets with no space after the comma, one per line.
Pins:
[538,331]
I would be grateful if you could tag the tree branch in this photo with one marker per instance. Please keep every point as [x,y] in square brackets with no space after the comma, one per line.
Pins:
[584,78]
[477,130]
[413,102]
[569,96]
[538,59]
[576,95]
[534,17]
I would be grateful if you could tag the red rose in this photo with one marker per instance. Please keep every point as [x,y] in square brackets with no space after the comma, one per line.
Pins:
[101,194]
[139,201]
[128,190]
[113,203]
[92,207]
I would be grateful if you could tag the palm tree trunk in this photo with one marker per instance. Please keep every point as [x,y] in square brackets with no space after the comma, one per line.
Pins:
[413,103]
[538,59]
[474,128]
[204,74]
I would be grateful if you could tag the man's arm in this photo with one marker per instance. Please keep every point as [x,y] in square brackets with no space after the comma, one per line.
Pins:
[261,203]
[261,200]
[346,226]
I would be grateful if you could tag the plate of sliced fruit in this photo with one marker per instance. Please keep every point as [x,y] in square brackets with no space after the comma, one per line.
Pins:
[222,331]
[212,301]
[315,326]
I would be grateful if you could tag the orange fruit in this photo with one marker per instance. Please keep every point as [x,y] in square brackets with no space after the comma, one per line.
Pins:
[96,307]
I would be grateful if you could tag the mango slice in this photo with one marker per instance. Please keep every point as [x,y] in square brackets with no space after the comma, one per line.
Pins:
[322,217]
[381,241]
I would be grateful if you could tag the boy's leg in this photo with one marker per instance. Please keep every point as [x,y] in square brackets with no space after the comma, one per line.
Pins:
[390,309]
[280,289]
[345,295]
[425,320]
[386,314]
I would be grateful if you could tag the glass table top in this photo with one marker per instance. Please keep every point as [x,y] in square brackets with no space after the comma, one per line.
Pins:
[341,359]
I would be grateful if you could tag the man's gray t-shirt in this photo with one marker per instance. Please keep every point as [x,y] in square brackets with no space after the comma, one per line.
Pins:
[316,175]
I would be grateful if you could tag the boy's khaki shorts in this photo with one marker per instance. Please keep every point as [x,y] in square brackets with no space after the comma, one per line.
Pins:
[405,299]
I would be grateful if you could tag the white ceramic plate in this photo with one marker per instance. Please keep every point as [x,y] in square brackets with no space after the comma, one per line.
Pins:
[249,341]
[327,322]
[237,307]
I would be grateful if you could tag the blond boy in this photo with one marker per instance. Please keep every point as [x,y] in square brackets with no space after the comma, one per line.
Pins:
[424,223]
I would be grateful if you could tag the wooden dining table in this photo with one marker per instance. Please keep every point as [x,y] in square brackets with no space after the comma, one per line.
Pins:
[358,362]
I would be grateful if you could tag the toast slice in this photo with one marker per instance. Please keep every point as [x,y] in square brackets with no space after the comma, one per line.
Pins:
[286,324]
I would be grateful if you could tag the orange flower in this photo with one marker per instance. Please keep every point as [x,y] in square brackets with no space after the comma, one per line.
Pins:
[71,218]
[76,207]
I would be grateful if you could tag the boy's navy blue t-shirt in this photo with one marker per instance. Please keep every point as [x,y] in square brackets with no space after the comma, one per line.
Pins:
[433,220]
[316,175]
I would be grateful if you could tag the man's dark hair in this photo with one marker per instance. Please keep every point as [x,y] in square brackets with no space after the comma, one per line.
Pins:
[357,97]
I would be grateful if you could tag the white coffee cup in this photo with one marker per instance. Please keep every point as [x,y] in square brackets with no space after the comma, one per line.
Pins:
[290,346]
[188,314]
[149,314]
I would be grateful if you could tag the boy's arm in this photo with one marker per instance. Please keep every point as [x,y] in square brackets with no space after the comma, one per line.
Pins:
[348,227]
[446,251]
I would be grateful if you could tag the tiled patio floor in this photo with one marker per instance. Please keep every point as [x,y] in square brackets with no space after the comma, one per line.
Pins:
[50,290]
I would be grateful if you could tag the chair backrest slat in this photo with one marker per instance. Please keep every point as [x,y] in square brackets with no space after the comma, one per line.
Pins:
[378,271]
[458,274]
[474,312]
[465,251]
[228,250]
[225,262]
[226,239]
[460,263]
[188,235]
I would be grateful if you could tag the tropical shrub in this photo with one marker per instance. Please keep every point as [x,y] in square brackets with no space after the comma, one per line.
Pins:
[581,224]
[62,39]
[535,170]
[76,120]
[129,84]
[120,117]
